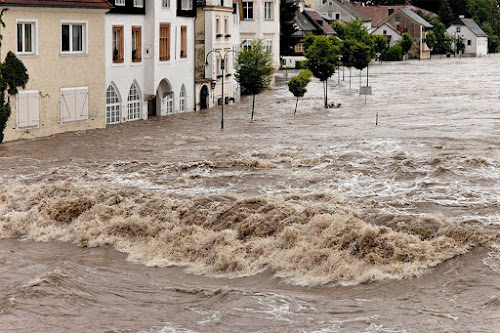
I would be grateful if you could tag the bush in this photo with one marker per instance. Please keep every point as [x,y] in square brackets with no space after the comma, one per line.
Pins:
[394,53]
[300,64]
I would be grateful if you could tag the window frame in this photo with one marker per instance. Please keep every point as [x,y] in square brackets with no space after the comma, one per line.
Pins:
[167,25]
[120,29]
[72,23]
[248,9]
[268,5]
[34,37]
[138,52]
[163,2]
[139,3]
[267,46]
[182,99]
[116,104]
[119,2]
[134,106]
[184,41]
[187,5]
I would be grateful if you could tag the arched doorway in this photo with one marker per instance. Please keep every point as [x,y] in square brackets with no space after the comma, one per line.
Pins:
[204,97]
[164,98]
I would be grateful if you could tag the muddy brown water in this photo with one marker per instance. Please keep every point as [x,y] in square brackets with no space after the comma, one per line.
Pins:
[318,222]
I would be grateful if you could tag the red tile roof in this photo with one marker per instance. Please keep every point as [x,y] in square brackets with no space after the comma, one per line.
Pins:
[57,3]
[380,13]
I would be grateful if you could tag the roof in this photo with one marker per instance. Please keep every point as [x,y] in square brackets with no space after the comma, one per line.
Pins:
[303,24]
[390,27]
[379,13]
[351,9]
[58,3]
[415,17]
[318,21]
[472,25]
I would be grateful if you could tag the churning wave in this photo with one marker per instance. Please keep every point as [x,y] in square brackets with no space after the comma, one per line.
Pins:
[312,239]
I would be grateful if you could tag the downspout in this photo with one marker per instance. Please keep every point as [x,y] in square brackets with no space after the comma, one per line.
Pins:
[194,57]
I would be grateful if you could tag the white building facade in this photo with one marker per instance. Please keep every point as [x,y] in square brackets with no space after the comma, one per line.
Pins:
[149,59]
[474,38]
[388,31]
[261,20]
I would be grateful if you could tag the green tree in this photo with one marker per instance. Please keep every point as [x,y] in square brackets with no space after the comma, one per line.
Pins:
[288,11]
[13,74]
[298,85]
[255,71]
[445,12]
[322,57]
[381,44]
[406,43]
[394,53]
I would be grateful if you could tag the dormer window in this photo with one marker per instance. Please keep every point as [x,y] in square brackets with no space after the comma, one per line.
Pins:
[119,2]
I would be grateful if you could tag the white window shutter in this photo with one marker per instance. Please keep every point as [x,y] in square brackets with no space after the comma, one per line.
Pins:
[82,104]
[32,103]
[67,106]
[22,109]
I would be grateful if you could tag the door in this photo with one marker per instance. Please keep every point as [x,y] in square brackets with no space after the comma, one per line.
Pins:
[204,97]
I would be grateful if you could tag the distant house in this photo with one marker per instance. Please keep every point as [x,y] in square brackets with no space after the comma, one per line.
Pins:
[407,21]
[474,38]
[389,32]
[341,10]
[306,21]
[378,14]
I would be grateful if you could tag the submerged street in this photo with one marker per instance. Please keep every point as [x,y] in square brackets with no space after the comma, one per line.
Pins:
[318,222]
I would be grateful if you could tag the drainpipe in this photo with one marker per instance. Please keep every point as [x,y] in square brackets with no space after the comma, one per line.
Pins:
[194,58]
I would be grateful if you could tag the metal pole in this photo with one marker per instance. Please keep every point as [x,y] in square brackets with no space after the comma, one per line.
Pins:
[367,66]
[222,109]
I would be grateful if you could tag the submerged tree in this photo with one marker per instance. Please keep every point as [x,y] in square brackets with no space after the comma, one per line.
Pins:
[298,85]
[406,43]
[255,71]
[322,57]
[13,74]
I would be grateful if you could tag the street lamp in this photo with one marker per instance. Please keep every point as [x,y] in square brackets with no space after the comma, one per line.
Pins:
[223,67]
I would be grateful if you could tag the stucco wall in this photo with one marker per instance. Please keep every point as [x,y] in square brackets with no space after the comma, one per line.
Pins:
[478,47]
[49,70]
[395,36]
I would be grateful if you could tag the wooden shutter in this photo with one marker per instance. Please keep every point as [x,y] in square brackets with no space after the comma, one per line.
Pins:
[27,109]
[74,105]
[183,41]
[82,104]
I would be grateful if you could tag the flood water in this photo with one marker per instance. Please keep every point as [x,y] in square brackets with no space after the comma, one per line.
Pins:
[323,221]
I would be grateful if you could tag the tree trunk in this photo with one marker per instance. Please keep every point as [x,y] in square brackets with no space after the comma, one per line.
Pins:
[350,78]
[296,102]
[253,106]
[326,92]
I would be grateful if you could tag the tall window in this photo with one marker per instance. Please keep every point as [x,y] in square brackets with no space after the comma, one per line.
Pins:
[299,48]
[268,11]
[182,99]
[134,103]
[119,2]
[26,38]
[248,10]
[112,106]
[139,3]
[136,44]
[165,4]
[164,41]
[73,37]
[183,41]
[186,4]
[219,67]
[170,103]
[217,26]
[118,44]
[226,25]
[269,46]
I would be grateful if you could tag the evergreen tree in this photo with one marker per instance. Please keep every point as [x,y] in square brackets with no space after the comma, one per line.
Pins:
[446,13]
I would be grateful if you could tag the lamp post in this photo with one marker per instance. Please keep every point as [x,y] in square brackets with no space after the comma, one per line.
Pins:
[223,67]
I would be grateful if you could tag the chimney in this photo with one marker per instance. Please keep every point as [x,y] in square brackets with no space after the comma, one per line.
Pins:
[461,16]
[301,6]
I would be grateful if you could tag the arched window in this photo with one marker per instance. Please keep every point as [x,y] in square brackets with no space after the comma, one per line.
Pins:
[170,103]
[112,106]
[134,103]
[182,99]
